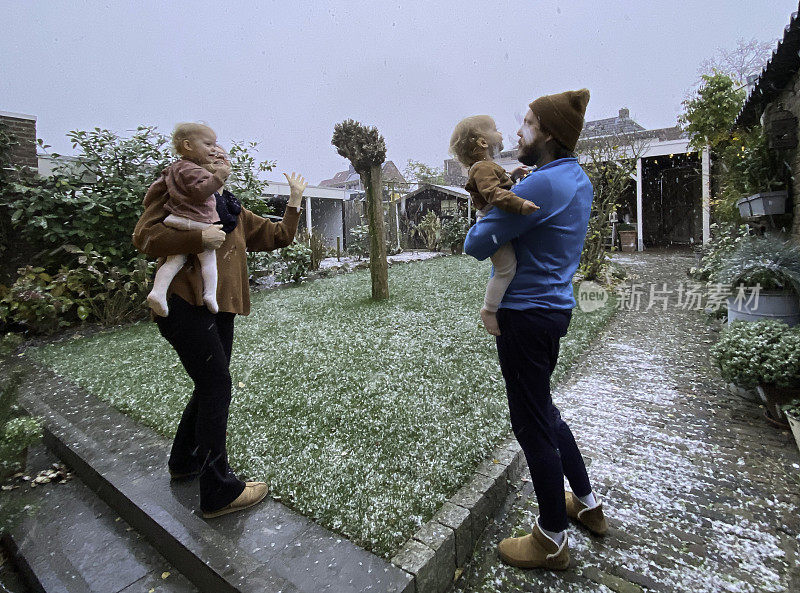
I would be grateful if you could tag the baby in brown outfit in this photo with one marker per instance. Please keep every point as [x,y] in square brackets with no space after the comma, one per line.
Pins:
[474,142]
[192,206]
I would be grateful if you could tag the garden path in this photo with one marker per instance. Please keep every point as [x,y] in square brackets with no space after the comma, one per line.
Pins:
[702,493]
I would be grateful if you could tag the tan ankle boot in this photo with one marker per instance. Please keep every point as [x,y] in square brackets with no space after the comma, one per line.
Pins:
[253,493]
[592,518]
[535,550]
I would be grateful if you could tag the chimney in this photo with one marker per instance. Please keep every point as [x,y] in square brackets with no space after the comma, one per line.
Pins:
[23,129]
[624,113]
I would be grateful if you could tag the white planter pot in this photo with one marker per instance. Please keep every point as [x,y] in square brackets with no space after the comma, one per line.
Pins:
[778,305]
[763,204]
[794,424]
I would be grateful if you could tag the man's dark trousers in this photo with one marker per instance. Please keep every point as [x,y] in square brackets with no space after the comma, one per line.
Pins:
[528,350]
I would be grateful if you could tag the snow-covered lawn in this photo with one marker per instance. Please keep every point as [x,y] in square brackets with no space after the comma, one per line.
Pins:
[364,416]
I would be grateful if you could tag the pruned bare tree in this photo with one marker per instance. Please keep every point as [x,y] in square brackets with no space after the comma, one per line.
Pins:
[365,148]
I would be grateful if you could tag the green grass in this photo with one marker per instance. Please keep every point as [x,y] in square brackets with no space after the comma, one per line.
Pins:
[364,416]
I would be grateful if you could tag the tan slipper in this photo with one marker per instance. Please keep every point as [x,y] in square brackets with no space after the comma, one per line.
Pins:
[535,550]
[253,493]
[592,518]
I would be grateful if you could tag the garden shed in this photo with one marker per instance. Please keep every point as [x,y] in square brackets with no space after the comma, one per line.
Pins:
[445,200]
[775,101]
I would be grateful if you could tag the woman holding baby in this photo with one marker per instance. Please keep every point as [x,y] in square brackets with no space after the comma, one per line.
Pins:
[202,337]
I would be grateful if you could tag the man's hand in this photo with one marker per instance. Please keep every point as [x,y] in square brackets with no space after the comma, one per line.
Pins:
[528,208]
[213,237]
[297,185]
[519,173]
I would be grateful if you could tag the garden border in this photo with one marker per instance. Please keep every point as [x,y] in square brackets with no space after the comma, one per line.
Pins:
[445,543]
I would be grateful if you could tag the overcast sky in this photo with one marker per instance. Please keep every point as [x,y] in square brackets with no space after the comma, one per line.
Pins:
[283,73]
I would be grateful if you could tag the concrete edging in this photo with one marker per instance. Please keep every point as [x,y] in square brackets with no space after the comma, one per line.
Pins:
[446,542]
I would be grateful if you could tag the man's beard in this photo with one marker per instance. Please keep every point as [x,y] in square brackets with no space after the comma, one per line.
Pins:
[528,155]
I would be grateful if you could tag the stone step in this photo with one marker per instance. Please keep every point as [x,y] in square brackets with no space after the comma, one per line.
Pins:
[71,541]
[269,547]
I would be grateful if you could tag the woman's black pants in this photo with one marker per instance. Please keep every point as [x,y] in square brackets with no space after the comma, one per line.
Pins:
[203,342]
[528,350]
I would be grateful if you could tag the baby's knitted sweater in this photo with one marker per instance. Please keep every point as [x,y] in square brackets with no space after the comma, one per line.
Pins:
[489,184]
[191,191]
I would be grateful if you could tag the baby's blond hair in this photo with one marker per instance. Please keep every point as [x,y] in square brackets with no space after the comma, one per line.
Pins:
[186,131]
[464,141]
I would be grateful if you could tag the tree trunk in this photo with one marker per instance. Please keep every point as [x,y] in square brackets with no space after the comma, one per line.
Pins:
[378,266]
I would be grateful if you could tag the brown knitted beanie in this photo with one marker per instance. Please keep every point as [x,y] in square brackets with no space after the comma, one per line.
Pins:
[562,115]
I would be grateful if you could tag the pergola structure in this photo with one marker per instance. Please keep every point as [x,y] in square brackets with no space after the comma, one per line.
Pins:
[670,148]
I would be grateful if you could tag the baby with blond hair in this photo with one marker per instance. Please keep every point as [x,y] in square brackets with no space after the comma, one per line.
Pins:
[191,183]
[475,141]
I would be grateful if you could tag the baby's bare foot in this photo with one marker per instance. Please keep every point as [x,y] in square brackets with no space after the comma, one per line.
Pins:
[210,301]
[158,303]
[490,322]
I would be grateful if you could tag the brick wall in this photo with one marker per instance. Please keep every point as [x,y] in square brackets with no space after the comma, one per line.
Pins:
[23,128]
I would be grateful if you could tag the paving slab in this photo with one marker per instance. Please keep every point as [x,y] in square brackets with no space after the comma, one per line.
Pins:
[71,541]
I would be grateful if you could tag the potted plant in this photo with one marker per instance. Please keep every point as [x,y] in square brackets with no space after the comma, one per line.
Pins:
[764,355]
[627,237]
[17,431]
[792,412]
[454,231]
[771,265]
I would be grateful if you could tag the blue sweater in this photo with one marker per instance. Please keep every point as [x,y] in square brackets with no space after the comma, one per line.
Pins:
[548,243]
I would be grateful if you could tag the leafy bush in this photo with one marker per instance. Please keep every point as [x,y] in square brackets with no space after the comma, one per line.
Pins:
[454,231]
[298,261]
[430,229]
[762,352]
[769,261]
[725,239]
[17,431]
[94,200]
[747,166]
[358,244]
[95,290]
[264,262]
[9,343]
[244,180]
[316,244]
[743,163]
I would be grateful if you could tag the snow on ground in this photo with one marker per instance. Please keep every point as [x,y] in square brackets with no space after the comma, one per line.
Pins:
[364,416]
[403,257]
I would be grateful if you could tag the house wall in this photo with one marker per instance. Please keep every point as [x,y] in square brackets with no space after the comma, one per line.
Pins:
[789,98]
[23,128]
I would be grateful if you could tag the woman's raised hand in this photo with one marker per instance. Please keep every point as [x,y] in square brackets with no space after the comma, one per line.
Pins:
[297,185]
